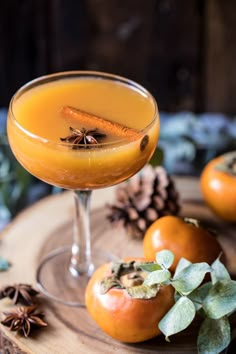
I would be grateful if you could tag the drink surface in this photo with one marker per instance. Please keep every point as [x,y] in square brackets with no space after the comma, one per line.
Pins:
[38,125]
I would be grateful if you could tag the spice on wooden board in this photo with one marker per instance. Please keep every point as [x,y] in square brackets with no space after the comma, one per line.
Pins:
[23,293]
[24,319]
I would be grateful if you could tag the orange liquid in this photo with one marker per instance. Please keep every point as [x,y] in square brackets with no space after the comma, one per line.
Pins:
[38,112]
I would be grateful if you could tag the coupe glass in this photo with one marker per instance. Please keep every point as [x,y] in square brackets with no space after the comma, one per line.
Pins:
[40,118]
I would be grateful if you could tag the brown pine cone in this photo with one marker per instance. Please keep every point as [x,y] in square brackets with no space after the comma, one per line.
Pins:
[142,199]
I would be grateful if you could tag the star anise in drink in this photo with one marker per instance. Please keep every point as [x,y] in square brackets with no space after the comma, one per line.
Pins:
[80,137]
[23,293]
[24,319]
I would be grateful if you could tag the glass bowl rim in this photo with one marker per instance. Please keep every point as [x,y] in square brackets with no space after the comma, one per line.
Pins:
[77,73]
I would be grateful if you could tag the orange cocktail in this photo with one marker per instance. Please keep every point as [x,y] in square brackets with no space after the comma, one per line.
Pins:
[41,121]
[81,130]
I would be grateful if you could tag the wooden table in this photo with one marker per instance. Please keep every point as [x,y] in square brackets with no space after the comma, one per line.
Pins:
[47,224]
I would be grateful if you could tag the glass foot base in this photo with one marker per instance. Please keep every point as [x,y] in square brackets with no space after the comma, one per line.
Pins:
[55,280]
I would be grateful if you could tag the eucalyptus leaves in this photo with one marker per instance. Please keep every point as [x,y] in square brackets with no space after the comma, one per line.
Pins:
[4,264]
[214,300]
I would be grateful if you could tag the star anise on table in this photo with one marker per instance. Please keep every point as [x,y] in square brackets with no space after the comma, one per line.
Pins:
[23,293]
[83,137]
[24,319]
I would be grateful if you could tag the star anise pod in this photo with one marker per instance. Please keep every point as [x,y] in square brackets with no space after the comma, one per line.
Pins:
[23,293]
[83,137]
[24,319]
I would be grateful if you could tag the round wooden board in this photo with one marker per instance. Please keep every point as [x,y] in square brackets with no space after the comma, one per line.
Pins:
[48,225]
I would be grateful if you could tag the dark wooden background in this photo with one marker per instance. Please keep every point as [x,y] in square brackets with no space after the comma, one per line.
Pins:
[182,50]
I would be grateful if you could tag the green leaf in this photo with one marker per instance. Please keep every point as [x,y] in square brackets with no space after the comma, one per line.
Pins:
[178,317]
[157,158]
[183,263]
[198,295]
[23,179]
[149,266]
[221,299]
[219,271]
[4,212]
[157,277]
[190,277]
[213,336]
[165,258]
[4,170]
[4,264]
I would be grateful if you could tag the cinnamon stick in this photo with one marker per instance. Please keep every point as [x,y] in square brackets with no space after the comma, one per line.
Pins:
[113,128]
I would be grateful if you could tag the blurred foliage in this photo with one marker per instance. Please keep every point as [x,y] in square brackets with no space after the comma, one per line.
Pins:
[18,188]
[189,141]
[14,182]
[157,158]
[4,264]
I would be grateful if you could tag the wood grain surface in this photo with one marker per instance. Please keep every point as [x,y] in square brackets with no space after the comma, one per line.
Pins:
[47,225]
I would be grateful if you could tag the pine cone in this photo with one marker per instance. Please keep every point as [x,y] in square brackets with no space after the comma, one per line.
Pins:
[142,199]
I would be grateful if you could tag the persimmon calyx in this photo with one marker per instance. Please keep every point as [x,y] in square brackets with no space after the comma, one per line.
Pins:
[130,277]
[228,165]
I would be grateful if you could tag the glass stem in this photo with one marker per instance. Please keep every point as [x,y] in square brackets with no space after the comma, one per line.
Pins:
[81,261]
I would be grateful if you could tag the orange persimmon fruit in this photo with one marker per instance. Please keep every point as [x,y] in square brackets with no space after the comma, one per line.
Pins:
[184,237]
[122,316]
[218,186]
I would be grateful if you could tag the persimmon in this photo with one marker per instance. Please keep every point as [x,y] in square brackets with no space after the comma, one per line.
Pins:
[218,186]
[117,311]
[184,237]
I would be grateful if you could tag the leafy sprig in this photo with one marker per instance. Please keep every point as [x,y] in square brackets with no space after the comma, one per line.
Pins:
[215,300]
